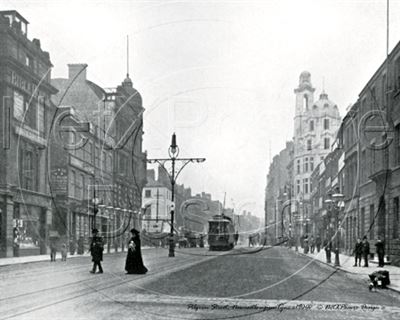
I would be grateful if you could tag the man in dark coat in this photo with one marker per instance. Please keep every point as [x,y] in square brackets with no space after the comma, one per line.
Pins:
[96,250]
[318,243]
[328,250]
[312,244]
[380,250]
[365,251]
[358,253]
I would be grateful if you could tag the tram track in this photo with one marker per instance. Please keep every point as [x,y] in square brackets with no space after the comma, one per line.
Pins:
[33,301]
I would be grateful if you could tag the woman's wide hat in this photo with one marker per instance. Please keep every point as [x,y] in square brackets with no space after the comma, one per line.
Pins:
[134,231]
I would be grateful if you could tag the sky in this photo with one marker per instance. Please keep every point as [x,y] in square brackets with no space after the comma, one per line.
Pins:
[220,74]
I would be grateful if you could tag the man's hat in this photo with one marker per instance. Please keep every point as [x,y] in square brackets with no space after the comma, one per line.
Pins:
[95,231]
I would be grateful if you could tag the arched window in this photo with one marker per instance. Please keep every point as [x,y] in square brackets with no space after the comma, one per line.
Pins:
[305,102]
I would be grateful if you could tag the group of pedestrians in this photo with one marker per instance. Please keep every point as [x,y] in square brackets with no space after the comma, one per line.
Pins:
[134,261]
[310,244]
[362,250]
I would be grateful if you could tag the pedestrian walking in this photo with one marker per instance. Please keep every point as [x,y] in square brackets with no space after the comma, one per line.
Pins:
[365,251]
[380,250]
[236,237]
[358,253]
[96,251]
[53,250]
[134,261]
[305,244]
[328,250]
[318,243]
[312,244]
[64,252]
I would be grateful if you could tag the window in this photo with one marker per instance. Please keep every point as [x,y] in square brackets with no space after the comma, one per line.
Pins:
[305,185]
[29,173]
[72,183]
[396,218]
[397,73]
[384,90]
[298,186]
[326,143]
[363,164]
[298,166]
[397,144]
[312,125]
[147,193]
[306,164]
[362,222]
[80,186]
[86,152]
[305,102]
[309,144]
[41,116]
[312,164]
[326,124]
[97,157]
[372,221]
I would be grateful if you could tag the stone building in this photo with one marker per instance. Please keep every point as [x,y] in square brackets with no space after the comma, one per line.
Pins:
[315,127]
[25,88]
[113,165]
[277,192]
[372,160]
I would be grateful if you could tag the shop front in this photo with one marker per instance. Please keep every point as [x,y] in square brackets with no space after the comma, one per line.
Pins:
[29,230]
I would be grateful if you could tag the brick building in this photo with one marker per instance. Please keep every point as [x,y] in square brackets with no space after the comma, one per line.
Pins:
[25,88]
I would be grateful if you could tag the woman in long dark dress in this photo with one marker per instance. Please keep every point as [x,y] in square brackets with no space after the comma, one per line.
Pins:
[134,261]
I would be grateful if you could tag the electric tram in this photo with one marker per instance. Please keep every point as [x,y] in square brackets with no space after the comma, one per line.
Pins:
[221,233]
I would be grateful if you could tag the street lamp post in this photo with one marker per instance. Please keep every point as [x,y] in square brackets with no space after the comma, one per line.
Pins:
[334,203]
[95,202]
[173,152]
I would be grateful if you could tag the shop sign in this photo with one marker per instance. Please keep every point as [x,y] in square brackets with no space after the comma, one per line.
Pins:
[22,83]
[30,134]
[59,180]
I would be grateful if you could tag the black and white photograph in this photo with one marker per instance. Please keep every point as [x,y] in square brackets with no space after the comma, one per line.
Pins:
[199,159]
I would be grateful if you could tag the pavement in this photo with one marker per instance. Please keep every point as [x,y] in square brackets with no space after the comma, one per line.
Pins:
[347,265]
[46,257]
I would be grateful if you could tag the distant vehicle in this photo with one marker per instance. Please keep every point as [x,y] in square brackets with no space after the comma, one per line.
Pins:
[221,233]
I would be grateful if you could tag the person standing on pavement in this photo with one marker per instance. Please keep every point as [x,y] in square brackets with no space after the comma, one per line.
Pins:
[318,243]
[380,250]
[365,251]
[305,243]
[53,250]
[96,250]
[328,249]
[312,244]
[358,253]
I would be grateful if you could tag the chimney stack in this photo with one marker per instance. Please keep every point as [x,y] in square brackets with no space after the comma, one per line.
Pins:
[75,69]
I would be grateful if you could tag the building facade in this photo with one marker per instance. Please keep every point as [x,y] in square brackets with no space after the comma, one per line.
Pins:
[110,165]
[26,91]
[316,124]
[277,193]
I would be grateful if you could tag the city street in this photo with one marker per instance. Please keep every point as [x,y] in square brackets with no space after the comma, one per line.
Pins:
[257,283]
